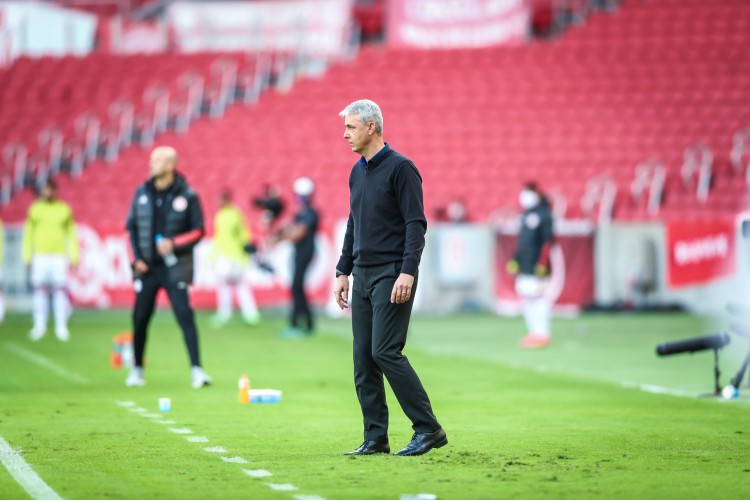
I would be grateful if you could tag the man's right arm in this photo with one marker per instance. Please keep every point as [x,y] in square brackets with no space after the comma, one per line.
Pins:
[131,224]
[346,261]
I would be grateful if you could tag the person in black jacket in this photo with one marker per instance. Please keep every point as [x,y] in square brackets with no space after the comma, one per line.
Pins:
[165,222]
[382,250]
[531,264]
[301,233]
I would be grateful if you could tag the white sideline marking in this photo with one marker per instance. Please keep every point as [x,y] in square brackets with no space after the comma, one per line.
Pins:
[180,430]
[46,363]
[24,474]
[657,389]
[282,487]
[257,472]
[234,460]
[125,404]
[151,415]
[308,497]
[197,439]
[214,449]
[165,422]
[137,410]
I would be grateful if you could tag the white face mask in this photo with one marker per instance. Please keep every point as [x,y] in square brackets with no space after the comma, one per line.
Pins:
[528,199]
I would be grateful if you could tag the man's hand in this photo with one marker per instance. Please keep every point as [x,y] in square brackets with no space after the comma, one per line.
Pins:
[140,267]
[341,291]
[402,289]
[165,247]
[541,270]
[512,266]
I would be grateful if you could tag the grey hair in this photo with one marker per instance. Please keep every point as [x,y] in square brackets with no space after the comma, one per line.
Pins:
[368,112]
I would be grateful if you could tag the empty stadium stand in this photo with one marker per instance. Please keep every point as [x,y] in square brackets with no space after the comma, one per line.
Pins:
[643,83]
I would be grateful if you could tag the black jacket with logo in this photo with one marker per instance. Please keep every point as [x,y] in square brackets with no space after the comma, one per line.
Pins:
[535,238]
[182,222]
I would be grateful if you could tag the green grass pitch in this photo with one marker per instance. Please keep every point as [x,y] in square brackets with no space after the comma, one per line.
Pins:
[570,421]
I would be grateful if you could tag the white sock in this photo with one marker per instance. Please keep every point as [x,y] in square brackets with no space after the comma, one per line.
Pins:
[40,308]
[62,309]
[223,300]
[246,300]
[540,316]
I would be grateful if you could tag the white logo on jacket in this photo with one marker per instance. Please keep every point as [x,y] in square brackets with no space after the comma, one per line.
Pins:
[142,199]
[179,204]
[532,220]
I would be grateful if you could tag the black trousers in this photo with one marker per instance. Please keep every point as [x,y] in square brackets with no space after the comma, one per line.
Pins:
[380,329]
[300,306]
[146,288]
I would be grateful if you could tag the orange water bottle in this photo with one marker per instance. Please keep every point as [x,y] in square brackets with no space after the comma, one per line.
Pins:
[244,386]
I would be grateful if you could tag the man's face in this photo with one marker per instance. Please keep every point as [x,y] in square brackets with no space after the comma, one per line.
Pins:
[160,164]
[356,133]
[48,193]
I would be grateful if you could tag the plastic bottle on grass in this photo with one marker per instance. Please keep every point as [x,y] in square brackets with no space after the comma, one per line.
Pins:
[244,387]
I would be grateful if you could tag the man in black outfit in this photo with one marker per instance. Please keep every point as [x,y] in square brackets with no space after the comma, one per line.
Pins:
[165,222]
[302,234]
[382,250]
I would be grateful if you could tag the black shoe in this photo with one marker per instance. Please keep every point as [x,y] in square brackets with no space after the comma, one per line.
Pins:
[370,448]
[422,443]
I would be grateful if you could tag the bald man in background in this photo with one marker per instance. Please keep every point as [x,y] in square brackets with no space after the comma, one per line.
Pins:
[165,223]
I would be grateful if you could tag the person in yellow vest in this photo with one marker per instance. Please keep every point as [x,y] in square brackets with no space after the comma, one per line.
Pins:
[2,297]
[50,246]
[231,238]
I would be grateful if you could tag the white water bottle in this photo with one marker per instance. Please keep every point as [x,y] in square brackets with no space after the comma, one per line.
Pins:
[170,259]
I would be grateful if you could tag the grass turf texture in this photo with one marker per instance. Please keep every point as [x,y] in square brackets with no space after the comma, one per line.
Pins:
[550,423]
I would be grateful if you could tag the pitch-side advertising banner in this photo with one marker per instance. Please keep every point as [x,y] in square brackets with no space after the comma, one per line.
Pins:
[571,284]
[315,26]
[104,279]
[700,251]
[431,24]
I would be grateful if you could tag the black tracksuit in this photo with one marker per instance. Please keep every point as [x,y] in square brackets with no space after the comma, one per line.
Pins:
[534,238]
[174,213]
[304,251]
[384,237]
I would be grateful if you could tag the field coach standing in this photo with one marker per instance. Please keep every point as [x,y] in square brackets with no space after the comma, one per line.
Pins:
[382,250]
[165,222]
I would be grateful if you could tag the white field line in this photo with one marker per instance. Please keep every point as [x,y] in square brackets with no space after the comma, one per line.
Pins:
[24,474]
[257,472]
[180,430]
[282,487]
[47,363]
[151,415]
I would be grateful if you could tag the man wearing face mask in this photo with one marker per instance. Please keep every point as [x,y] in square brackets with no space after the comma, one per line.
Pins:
[531,265]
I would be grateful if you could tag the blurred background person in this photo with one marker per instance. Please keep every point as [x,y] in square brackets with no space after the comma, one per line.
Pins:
[165,223]
[301,233]
[232,238]
[531,265]
[50,246]
[271,203]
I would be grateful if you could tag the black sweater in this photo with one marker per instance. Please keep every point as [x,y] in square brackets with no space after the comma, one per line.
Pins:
[386,214]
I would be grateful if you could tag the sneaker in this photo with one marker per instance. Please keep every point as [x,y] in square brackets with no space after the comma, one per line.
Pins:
[291,333]
[534,341]
[62,334]
[252,319]
[199,378]
[219,320]
[135,378]
[36,334]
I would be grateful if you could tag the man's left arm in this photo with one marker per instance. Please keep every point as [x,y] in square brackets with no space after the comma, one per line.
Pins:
[187,240]
[408,185]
